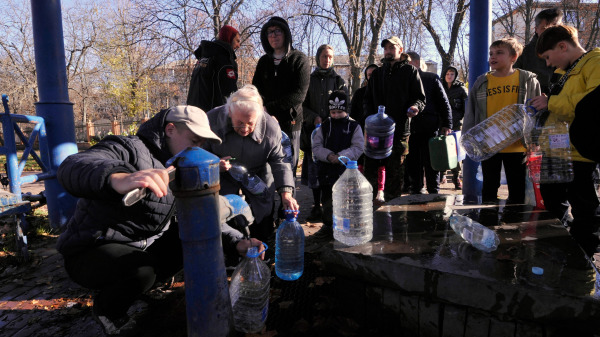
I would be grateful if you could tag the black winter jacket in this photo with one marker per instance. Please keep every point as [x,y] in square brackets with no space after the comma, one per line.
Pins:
[457,96]
[100,216]
[282,87]
[437,112]
[531,62]
[397,87]
[215,75]
[357,109]
[322,83]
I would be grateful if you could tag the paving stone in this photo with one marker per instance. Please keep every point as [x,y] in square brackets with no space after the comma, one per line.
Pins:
[409,314]
[478,324]
[500,328]
[454,320]
[429,318]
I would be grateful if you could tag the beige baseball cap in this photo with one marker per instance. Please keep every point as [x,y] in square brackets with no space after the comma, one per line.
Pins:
[393,40]
[195,119]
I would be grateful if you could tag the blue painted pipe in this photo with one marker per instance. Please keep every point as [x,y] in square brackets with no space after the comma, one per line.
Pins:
[196,189]
[53,105]
[479,43]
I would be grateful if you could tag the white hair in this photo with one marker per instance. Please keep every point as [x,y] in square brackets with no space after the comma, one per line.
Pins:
[245,99]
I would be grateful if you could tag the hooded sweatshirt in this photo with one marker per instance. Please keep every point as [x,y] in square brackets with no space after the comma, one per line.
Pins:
[283,87]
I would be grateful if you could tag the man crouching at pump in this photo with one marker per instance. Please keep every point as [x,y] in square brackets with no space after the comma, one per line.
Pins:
[253,138]
[122,251]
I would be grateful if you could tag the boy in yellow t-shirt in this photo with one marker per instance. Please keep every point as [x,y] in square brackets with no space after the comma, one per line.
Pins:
[502,86]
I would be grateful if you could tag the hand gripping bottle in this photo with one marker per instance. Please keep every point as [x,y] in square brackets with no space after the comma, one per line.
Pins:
[289,248]
[495,132]
[475,233]
[352,207]
[249,292]
[379,134]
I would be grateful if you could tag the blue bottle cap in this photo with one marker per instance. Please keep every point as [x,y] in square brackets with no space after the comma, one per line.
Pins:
[537,270]
[351,164]
[291,215]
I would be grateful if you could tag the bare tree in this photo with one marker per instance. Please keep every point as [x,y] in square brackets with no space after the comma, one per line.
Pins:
[423,11]
[516,17]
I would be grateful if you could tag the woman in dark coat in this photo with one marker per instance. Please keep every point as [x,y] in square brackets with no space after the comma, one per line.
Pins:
[323,81]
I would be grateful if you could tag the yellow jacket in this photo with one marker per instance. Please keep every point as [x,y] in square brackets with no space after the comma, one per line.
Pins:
[584,78]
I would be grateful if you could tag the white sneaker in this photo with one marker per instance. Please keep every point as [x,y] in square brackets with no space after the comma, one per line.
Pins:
[380,197]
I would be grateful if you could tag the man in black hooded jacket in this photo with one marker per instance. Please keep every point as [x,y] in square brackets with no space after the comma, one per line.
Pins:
[282,77]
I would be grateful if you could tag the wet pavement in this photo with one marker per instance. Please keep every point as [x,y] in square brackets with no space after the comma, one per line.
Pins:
[412,238]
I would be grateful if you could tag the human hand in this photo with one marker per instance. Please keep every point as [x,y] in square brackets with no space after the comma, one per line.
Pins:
[156,180]
[318,120]
[244,244]
[444,131]
[289,202]
[539,102]
[412,111]
[224,164]
[333,158]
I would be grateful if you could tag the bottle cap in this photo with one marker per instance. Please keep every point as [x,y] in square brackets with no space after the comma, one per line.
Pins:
[291,215]
[253,251]
[351,164]
[537,270]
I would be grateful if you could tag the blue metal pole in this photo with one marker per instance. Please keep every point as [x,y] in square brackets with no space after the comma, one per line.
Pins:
[53,105]
[479,42]
[196,189]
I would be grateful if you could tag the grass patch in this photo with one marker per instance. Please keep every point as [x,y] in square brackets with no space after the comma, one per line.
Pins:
[30,164]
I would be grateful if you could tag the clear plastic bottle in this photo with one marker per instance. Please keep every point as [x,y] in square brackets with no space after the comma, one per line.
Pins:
[286,143]
[557,164]
[312,140]
[496,132]
[289,248]
[249,292]
[352,207]
[379,134]
[475,233]
[250,181]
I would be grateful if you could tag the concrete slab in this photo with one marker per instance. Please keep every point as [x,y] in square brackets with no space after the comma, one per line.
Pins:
[415,251]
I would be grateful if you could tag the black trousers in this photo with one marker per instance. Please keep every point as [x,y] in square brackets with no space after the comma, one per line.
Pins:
[579,193]
[418,165]
[327,200]
[514,168]
[121,273]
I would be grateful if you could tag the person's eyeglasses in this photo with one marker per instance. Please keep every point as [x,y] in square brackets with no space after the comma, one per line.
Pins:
[275,32]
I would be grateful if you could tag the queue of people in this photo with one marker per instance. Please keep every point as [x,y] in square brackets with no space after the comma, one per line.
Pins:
[127,252]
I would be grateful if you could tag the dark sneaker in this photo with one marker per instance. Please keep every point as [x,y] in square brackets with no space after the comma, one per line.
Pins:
[122,326]
[316,214]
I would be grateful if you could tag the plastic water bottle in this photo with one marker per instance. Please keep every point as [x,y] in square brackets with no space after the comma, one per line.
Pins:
[249,292]
[475,233]
[379,130]
[557,164]
[352,207]
[286,143]
[496,132]
[250,181]
[312,140]
[289,248]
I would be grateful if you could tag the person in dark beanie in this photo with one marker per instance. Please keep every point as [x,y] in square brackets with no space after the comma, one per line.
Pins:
[530,60]
[323,81]
[215,75]
[457,96]
[281,77]
[357,111]
[339,135]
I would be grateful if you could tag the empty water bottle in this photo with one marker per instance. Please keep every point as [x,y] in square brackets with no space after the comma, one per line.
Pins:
[312,140]
[496,132]
[352,207]
[250,181]
[286,143]
[379,134]
[475,233]
[249,292]
[555,150]
[289,248]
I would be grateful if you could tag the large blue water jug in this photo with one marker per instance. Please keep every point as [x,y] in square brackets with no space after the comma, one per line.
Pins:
[379,130]
[249,291]
[289,248]
[352,207]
